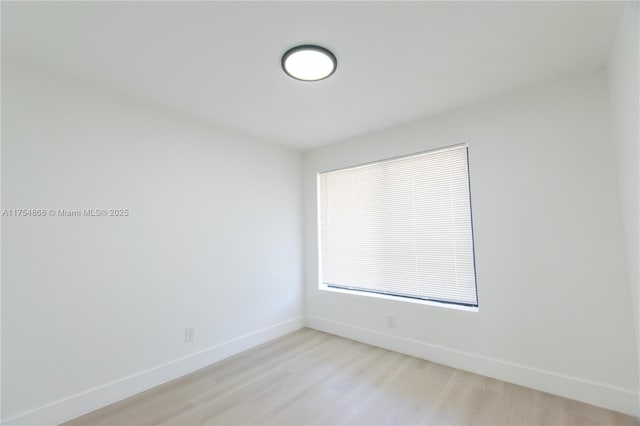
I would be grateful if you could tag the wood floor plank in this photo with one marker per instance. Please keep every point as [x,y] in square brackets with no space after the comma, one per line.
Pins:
[313,378]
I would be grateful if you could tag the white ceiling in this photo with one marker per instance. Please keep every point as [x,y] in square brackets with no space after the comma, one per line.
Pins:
[397,61]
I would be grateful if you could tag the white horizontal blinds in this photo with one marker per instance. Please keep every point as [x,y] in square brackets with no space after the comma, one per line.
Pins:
[401,226]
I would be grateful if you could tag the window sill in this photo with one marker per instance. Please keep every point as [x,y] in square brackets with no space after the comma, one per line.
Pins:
[400,299]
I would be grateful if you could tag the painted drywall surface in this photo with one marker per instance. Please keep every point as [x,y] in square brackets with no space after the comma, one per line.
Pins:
[212,239]
[624,89]
[551,275]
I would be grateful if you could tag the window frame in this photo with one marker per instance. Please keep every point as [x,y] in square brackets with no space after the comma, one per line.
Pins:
[390,296]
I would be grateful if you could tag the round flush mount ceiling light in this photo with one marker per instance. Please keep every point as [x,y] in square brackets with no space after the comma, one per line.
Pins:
[309,63]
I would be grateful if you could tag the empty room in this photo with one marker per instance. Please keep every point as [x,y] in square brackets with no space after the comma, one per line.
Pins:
[320,213]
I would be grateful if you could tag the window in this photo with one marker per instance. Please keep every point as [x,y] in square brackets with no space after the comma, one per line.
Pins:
[400,227]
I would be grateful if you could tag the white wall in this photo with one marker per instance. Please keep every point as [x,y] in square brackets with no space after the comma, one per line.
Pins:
[553,294]
[91,306]
[624,89]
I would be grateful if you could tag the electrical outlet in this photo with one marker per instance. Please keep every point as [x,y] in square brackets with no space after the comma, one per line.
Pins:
[190,334]
[391,321]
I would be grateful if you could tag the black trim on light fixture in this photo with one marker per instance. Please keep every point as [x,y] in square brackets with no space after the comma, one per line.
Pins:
[309,47]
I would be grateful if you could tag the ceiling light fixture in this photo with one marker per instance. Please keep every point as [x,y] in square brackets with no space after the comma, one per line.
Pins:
[309,63]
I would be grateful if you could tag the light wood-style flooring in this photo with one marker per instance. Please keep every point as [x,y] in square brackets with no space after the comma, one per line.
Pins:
[313,378]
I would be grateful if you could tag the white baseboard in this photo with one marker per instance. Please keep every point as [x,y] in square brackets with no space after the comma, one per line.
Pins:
[100,396]
[599,394]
